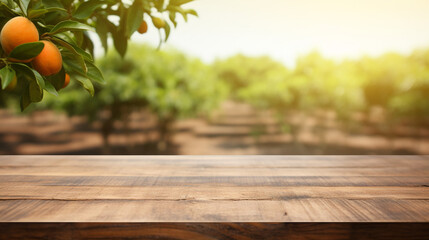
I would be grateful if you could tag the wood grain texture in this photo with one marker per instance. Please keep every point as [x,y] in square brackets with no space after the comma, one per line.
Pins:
[341,197]
[211,231]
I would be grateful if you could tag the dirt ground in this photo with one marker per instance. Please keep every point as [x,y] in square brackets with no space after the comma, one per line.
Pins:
[234,129]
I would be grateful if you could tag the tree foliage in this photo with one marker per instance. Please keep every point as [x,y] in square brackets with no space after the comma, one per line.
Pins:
[66,24]
[168,83]
[394,82]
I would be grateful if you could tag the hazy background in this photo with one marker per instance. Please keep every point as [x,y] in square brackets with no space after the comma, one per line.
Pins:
[285,29]
[250,77]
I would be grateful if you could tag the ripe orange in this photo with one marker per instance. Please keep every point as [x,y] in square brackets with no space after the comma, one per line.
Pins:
[66,81]
[12,84]
[49,61]
[158,22]
[143,27]
[17,31]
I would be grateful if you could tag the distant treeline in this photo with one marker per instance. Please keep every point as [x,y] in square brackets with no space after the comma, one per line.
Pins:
[399,84]
[173,85]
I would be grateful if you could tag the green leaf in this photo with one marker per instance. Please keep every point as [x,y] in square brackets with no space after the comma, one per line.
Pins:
[102,29]
[86,83]
[67,3]
[34,5]
[25,100]
[181,11]
[9,3]
[35,80]
[192,12]
[23,5]
[87,44]
[94,73]
[55,17]
[159,5]
[50,88]
[6,11]
[35,91]
[173,9]
[179,2]
[52,3]
[34,13]
[120,42]
[172,16]
[27,50]
[66,36]
[135,17]
[167,31]
[6,74]
[39,78]
[73,48]
[73,65]
[78,61]
[57,80]
[87,8]
[69,25]
[78,36]
[22,68]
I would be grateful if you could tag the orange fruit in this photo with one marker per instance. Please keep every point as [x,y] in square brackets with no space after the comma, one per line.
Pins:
[49,61]
[17,31]
[66,81]
[12,84]
[158,22]
[143,27]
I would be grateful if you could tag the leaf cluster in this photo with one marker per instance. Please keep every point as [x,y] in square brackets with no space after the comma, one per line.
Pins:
[168,83]
[67,24]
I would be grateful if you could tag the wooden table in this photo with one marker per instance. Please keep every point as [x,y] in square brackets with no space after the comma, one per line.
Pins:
[214,197]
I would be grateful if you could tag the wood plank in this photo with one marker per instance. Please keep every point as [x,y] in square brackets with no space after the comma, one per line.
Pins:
[215,166]
[208,161]
[241,231]
[34,192]
[351,194]
[237,181]
[287,210]
[205,171]
[210,231]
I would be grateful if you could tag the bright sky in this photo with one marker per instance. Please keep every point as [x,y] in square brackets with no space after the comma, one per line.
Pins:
[285,29]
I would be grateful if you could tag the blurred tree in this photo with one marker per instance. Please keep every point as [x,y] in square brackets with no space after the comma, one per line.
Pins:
[392,82]
[240,71]
[170,84]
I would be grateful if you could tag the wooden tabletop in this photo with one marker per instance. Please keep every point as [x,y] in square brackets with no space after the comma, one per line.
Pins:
[214,189]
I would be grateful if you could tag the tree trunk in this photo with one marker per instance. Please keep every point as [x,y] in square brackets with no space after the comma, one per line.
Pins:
[295,128]
[125,118]
[108,125]
[106,130]
[165,133]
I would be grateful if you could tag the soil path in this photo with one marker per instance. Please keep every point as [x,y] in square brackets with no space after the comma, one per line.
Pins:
[234,129]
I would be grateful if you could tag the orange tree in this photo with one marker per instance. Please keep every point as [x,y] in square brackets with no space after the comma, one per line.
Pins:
[45,43]
[168,83]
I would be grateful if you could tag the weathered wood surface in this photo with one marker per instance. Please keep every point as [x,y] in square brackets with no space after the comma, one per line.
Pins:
[341,196]
[211,231]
